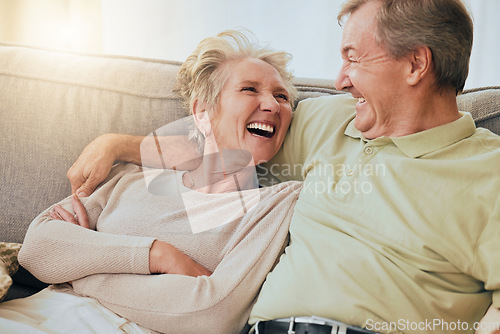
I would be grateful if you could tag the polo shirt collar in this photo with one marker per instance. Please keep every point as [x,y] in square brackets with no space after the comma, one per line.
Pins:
[424,142]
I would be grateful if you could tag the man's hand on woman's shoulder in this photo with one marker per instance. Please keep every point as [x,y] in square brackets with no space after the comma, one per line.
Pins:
[94,163]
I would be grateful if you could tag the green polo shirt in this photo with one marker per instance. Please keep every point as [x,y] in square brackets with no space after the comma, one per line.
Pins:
[392,234]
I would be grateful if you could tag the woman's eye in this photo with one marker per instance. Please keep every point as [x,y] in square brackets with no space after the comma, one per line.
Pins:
[282,96]
[249,89]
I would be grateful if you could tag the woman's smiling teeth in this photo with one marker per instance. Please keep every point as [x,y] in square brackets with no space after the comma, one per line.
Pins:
[361,100]
[261,129]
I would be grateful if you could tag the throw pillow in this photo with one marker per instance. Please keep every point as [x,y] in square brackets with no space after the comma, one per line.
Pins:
[8,265]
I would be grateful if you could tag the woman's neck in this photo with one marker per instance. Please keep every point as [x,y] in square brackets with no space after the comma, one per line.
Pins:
[223,171]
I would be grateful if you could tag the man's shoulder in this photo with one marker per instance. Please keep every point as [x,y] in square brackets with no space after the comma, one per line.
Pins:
[340,104]
[489,140]
[323,112]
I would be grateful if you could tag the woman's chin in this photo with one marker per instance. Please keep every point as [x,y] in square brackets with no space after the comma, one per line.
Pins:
[262,158]
[261,152]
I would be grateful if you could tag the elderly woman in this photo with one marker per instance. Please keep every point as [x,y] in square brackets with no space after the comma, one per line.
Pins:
[186,251]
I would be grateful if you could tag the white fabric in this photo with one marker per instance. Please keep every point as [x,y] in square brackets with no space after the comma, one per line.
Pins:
[52,310]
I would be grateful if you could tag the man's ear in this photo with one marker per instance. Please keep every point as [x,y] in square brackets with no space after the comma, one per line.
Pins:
[201,119]
[420,62]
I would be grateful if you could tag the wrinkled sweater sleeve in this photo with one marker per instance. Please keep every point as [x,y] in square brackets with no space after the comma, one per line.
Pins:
[56,251]
[219,303]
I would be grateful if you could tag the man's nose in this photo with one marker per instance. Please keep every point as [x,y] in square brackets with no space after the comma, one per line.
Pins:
[342,82]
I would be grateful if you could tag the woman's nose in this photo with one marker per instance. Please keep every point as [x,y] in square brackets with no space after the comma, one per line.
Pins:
[269,103]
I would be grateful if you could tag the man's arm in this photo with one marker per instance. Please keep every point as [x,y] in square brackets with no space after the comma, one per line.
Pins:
[96,160]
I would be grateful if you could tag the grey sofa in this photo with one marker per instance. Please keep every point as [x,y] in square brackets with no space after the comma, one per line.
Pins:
[53,103]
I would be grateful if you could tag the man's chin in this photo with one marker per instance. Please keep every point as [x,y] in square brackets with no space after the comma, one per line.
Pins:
[365,126]
[361,123]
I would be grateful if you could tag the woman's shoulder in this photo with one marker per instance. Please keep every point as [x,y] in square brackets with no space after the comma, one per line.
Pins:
[124,168]
[282,189]
[285,186]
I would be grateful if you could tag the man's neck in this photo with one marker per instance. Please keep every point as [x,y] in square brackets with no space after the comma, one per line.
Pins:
[420,113]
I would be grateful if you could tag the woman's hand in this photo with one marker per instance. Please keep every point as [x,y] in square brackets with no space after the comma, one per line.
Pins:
[166,259]
[80,218]
[490,324]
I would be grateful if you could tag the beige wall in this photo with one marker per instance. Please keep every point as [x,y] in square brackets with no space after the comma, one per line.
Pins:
[73,24]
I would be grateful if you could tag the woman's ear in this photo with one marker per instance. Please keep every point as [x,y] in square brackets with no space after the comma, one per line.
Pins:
[420,61]
[201,119]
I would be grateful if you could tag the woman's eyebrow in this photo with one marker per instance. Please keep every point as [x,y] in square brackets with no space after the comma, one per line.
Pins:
[249,82]
[280,89]
[276,89]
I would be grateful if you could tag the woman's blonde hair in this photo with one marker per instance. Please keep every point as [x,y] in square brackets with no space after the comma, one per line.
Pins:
[207,69]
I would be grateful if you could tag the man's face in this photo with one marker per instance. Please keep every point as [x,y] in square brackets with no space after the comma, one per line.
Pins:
[371,75]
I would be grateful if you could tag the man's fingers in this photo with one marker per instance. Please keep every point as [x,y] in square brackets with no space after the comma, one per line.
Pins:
[76,183]
[82,185]
[92,180]
[92,166]
[85,190]
[75,178]
[81,213]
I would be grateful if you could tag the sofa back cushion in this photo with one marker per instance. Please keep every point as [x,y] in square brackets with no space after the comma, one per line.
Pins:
[53,104]
[484,105]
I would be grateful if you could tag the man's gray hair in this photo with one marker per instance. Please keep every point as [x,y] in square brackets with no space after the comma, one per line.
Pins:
[445,26]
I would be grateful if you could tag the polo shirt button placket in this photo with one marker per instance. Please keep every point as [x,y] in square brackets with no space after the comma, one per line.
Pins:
[368,150]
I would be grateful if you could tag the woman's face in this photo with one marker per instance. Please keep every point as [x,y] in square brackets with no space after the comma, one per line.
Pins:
[254,111]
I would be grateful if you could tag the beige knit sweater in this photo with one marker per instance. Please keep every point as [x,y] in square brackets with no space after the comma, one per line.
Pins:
[110,261]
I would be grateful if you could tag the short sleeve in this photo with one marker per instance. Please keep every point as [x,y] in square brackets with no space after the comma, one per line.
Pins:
[487,260]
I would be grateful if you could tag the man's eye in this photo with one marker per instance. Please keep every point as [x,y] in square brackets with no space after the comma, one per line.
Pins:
[249,89]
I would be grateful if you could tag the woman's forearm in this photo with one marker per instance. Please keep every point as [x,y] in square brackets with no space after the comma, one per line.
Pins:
[57,251]
[174,303]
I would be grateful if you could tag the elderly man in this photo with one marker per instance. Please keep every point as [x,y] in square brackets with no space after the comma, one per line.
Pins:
[397,227]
